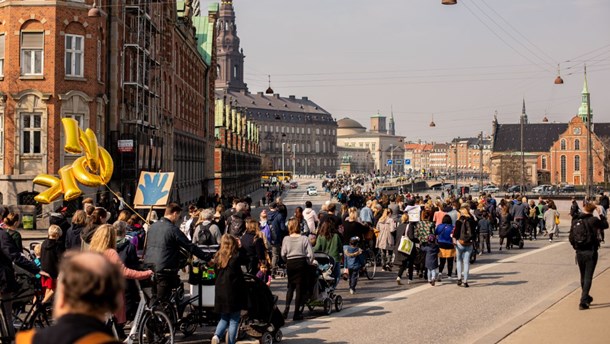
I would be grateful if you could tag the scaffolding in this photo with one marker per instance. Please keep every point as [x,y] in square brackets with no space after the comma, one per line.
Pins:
[140,85]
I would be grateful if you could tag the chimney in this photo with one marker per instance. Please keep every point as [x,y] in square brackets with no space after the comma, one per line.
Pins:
[260,94]
[305,98]
[291,97]
[276,95]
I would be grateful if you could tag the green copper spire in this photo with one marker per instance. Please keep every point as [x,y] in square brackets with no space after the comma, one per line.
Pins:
[582,111]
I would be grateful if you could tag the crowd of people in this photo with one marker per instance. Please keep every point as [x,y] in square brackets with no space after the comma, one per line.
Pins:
[419,235]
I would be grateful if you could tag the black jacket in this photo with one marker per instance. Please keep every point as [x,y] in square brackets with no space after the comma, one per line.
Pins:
[230,286]
[128,254]
[11,254]
[50,253]
[594,224]
[457,231]
[166,247]
[73,237]
[278,227]
[255,251]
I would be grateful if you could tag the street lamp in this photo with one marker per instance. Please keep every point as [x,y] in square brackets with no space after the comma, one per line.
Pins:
[283,147]
[294,159]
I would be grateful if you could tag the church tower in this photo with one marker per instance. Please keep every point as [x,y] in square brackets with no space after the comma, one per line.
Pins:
[584,106]
[229,57]
[391,124]
[523,114]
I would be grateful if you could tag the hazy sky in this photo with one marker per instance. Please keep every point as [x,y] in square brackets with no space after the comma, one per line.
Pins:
[461,63]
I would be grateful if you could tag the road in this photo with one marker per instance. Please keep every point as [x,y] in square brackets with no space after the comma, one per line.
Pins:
[507,289]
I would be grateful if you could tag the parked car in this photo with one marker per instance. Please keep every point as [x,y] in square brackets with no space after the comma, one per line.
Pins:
[491,188]
[567,189]
[542,189]
[294,185]
[312,191]
[514,188]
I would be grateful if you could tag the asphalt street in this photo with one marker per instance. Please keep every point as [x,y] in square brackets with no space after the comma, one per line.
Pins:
[507,289]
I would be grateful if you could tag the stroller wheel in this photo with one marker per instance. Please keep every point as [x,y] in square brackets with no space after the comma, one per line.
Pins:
[266,338]
[328,306]
[338,303]
[279,336]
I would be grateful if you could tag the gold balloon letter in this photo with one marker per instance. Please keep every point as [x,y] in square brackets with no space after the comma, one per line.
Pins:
[94,169]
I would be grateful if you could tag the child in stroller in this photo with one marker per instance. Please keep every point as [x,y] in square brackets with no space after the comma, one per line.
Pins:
[323,290]
[263,319]
[514,237]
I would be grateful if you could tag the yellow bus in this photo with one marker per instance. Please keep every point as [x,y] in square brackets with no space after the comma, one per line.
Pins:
[269,177]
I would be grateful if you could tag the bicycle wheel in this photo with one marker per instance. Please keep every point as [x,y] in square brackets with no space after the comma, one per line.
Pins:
[371,264]
[155,327]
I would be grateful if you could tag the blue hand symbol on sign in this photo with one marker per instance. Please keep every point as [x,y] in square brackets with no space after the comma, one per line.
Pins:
[152,190]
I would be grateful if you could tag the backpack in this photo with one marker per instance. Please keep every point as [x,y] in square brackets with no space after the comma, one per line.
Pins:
[236,226]
[205,237]
[466,232]
[581,237]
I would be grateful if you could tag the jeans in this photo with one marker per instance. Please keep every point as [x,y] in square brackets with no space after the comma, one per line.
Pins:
[386,257]
[484,241]
[353,278]
[431,275]
[463,261]
[230,320]
[337,274]
[587,260]
[275,256]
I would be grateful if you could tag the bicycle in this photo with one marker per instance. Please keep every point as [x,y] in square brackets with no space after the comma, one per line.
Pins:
[150,324]
[370,262]
[28,310]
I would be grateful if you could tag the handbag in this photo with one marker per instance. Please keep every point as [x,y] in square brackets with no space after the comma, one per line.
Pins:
[557,219]
[406,245]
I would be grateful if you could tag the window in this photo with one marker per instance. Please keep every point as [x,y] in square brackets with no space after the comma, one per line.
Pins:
[563,169]
[577,144]
[31,133]
[2,40]
[563,145]
[32,46]
[317,146]
[544,162]
[577,163]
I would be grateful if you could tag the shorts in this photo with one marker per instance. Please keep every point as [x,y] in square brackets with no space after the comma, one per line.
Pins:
[48,283]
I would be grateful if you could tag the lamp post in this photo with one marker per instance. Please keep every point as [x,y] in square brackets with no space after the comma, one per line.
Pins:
[391,158]
[589,144]
[283,147]
[294,159]
[456,165]
[481,162]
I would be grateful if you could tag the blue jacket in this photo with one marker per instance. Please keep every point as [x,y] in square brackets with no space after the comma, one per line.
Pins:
[277,224]
[356,262]
[443,233]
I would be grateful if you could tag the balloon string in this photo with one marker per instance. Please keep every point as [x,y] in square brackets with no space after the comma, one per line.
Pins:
[127,205]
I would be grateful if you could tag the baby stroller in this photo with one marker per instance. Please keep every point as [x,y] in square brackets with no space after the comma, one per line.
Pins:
[323,293]
[263,319]
[514,236]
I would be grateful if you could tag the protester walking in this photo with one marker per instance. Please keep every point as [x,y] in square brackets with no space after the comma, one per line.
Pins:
[464,236]
[298,255]
[551,220]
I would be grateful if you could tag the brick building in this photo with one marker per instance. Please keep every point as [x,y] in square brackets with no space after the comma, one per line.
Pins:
[554,153]
[129,70]
[50,68]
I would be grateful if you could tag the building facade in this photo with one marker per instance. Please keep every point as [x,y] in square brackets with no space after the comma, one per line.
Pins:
[295,134]
[553,153]
[384,146]
[130,71]
[438,158]
[358,159]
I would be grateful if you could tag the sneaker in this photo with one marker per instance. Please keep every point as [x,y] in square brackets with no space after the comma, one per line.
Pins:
[352,291]
[466,285]
[432,283]
[583,306]
[459,282]
[215,340]
[550,240]
[438,277]
[398,281]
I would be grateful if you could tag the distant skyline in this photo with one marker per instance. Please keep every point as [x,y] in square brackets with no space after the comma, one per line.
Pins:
[461,63]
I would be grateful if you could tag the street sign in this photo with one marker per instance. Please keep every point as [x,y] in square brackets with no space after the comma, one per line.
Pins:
[398,161]
[125,146]
[407,161]
[390,162]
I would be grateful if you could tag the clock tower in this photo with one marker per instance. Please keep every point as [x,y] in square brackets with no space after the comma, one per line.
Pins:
[584,106]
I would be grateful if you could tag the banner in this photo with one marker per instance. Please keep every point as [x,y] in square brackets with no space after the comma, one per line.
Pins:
[153,189]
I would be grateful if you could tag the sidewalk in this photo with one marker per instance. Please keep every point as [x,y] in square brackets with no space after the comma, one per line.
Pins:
[564,323]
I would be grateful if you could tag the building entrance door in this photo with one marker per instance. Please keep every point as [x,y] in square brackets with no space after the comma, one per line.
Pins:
[576,180]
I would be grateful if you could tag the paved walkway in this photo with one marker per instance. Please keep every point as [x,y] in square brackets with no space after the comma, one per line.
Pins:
[564,323]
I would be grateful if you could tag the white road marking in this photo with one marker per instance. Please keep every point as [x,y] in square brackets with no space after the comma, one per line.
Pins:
[403,294]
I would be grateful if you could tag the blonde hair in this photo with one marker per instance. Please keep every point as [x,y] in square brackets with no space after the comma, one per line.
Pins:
[386,213]
[54,231]
[353,214]
[79,218]
[103,239]
[37,249]
[404,218]
[293,226]
[228,247]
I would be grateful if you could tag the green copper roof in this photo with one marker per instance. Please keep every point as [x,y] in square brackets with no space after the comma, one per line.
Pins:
[204,32]
[582,110]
